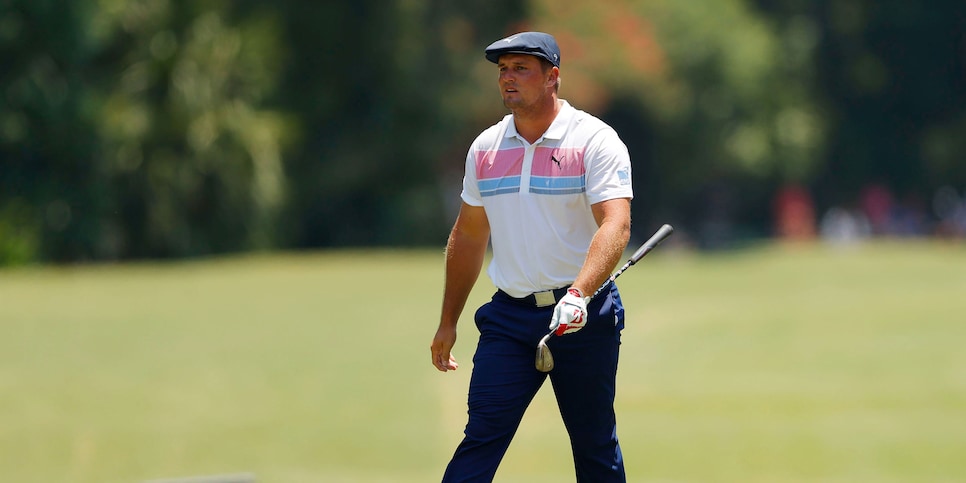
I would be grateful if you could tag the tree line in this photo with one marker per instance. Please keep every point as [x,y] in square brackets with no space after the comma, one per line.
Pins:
[164,129]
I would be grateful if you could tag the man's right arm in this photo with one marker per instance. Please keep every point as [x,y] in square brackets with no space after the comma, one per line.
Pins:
[465,251]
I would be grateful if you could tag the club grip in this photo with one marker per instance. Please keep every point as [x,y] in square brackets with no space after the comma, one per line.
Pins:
[652,242]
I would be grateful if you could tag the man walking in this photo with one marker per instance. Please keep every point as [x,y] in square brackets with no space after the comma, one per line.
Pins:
[549,187]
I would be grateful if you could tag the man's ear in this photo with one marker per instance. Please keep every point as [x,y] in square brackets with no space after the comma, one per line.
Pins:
[554,74]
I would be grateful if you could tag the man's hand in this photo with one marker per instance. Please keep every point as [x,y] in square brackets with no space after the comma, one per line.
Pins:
[441,347]
[570,314]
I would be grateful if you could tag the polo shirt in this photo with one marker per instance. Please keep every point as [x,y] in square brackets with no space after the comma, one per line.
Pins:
[537,197]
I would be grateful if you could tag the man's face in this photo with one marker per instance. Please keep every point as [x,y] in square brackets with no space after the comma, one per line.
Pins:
[523,81]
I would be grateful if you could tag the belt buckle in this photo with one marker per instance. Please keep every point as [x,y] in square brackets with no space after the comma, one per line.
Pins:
[544,299]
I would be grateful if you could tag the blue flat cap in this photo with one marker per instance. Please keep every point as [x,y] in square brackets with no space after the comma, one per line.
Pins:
[531,43]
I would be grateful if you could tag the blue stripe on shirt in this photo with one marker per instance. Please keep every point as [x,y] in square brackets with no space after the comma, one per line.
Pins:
[499,186]
[557,185]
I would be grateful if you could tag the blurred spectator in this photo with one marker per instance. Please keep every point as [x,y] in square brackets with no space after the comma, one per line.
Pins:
[950,211]
[843,226]
[910,217]
[794,214]
[876,202]
[716,227]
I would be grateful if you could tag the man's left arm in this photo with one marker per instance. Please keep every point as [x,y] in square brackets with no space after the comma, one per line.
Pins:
[609,192]
[607,247]
[613,231]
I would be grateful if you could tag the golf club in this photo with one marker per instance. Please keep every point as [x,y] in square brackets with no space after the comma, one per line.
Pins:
[544,361]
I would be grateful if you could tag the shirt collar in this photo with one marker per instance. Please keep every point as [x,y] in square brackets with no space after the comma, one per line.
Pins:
[557,128]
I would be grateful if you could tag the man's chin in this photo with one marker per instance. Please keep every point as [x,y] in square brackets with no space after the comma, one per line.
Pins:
[512,104]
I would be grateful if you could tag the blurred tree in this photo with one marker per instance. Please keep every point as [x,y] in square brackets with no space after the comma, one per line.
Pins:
[157,128]
[137,129]
[194,154]
[892,80]
[714,102]
[152,128]
[374,83]
[50,203]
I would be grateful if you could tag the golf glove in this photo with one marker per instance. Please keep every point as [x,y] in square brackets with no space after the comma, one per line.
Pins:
[570,314]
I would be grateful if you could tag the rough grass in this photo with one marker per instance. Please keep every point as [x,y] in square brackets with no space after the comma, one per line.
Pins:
[777,364]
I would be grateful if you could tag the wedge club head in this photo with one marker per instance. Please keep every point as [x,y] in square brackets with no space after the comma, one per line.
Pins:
[544,361]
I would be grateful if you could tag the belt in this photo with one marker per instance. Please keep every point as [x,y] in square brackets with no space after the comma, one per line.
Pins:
[540,299]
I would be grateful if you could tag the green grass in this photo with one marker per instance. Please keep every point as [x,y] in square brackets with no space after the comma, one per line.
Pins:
[778,364]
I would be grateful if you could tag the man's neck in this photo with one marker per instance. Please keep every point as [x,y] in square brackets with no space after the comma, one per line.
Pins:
[532,124]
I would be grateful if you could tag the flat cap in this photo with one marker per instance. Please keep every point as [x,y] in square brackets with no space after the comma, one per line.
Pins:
[532,43]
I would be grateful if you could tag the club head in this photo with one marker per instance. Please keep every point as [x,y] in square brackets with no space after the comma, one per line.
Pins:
[544,360]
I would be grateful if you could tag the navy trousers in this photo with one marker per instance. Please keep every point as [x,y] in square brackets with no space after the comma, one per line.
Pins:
[504,381]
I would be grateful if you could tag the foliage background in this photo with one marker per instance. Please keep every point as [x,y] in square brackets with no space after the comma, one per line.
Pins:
[137,129]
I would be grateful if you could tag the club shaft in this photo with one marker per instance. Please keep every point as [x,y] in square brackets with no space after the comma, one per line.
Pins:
[655,239]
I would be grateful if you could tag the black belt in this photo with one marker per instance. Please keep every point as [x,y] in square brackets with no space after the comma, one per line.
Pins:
[540,299]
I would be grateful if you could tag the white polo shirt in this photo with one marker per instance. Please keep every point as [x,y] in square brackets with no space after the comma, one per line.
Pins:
[537,196]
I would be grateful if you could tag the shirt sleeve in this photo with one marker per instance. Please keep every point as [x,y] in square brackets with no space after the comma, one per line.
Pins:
[471,189]
[608,167]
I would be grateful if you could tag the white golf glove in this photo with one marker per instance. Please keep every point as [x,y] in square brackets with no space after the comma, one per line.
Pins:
[570,314]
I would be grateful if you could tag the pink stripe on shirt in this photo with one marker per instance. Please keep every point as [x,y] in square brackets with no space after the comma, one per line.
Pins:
[499,164]
[558,162]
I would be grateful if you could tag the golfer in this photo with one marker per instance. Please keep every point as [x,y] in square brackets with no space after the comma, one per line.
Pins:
[549,187]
